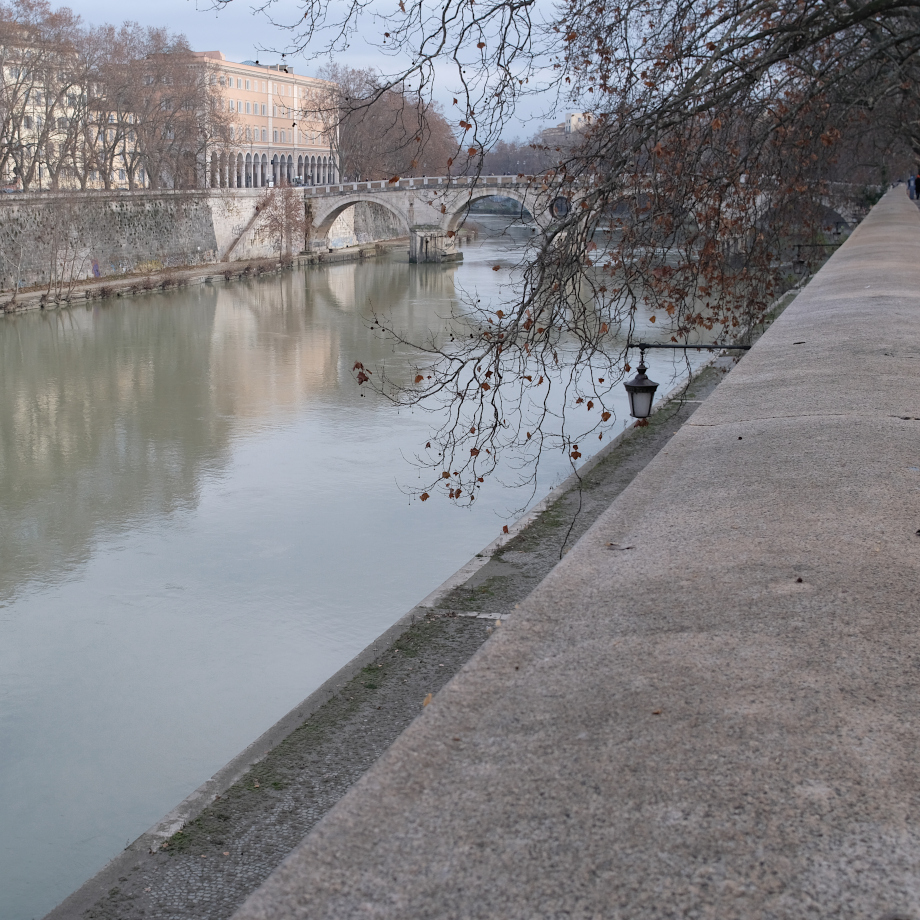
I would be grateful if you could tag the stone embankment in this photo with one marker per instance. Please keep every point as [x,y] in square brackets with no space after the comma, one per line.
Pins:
[53,239]
[709,708]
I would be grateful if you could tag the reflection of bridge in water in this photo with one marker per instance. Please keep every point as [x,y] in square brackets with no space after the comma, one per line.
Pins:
[430,209]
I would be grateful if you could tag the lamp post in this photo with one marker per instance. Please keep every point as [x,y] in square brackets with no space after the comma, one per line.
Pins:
[641,390]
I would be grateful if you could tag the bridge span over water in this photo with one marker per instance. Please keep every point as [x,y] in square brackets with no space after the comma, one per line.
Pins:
[429,208]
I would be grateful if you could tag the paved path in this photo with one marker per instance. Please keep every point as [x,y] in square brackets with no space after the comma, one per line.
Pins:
[722,720]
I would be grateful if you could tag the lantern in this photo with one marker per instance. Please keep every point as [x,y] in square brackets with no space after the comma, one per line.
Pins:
[641,391]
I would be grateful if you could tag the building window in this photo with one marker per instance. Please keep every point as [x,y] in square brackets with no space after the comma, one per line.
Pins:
[282,137]
[264,108]
[142,177]
[239,83]
[276,137]
[247,108]
[121,175]
[274,111]
[247,84]
[247,133]
[264,134]
[239,106]
[221,80]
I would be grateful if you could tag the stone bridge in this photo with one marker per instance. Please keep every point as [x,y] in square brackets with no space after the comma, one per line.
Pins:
[429,208]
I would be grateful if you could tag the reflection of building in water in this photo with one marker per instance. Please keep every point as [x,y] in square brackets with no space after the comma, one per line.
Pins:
[105,420]
[267,353]
[413,299]
[112,413]
[383,286]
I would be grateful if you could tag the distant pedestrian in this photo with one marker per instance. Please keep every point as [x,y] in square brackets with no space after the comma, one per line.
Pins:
[912,188]
[917,185]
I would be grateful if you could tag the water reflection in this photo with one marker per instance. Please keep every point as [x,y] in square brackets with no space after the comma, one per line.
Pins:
[112,412]
[105,420]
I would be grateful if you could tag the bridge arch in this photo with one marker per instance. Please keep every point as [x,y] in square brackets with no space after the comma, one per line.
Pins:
[324,213]
[456,215]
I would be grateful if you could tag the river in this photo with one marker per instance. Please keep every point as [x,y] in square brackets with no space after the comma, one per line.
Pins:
[201,521]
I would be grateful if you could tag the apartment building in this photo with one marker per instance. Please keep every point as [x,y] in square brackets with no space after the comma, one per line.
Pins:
[567,131]
[277,137]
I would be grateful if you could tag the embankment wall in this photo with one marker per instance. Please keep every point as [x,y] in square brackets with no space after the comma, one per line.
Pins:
[85,235]
[91,234]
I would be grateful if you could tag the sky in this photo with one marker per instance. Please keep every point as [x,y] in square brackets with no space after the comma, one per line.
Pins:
[242,34]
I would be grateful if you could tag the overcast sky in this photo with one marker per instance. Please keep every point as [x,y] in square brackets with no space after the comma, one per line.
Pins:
[241,35]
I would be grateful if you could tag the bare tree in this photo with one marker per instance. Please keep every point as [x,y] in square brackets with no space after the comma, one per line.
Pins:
[283,218]
[75,102]
[167,101]
[378,131]
[39,63]
[518,158]
[67,254]
[721,134]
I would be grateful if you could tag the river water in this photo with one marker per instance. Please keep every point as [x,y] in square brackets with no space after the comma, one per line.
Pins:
[201,521]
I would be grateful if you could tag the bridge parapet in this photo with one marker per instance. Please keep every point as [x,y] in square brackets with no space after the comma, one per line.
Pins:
[425,182]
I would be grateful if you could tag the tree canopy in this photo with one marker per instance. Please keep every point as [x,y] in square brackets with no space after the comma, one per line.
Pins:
[723,134]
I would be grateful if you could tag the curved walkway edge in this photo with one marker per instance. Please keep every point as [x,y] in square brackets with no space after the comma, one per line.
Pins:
[711,706]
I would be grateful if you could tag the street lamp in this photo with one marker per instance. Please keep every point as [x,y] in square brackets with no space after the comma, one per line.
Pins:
[641,390]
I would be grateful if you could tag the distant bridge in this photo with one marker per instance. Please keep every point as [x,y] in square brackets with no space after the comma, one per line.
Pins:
[429,208]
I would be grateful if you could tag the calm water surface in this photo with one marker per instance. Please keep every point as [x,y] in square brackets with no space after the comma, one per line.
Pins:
[201,522]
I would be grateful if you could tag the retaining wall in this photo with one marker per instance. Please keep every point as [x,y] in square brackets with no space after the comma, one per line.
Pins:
[97,234]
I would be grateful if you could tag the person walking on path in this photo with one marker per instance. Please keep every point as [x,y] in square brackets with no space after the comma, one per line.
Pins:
[912,188]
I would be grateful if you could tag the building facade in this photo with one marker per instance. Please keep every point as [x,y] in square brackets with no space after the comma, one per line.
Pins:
[67,134]
[567,131]
[276,140]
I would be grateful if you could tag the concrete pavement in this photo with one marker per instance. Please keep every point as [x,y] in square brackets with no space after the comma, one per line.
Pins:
[722,720]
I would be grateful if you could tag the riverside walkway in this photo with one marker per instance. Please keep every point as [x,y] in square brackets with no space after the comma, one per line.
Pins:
[711,706]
